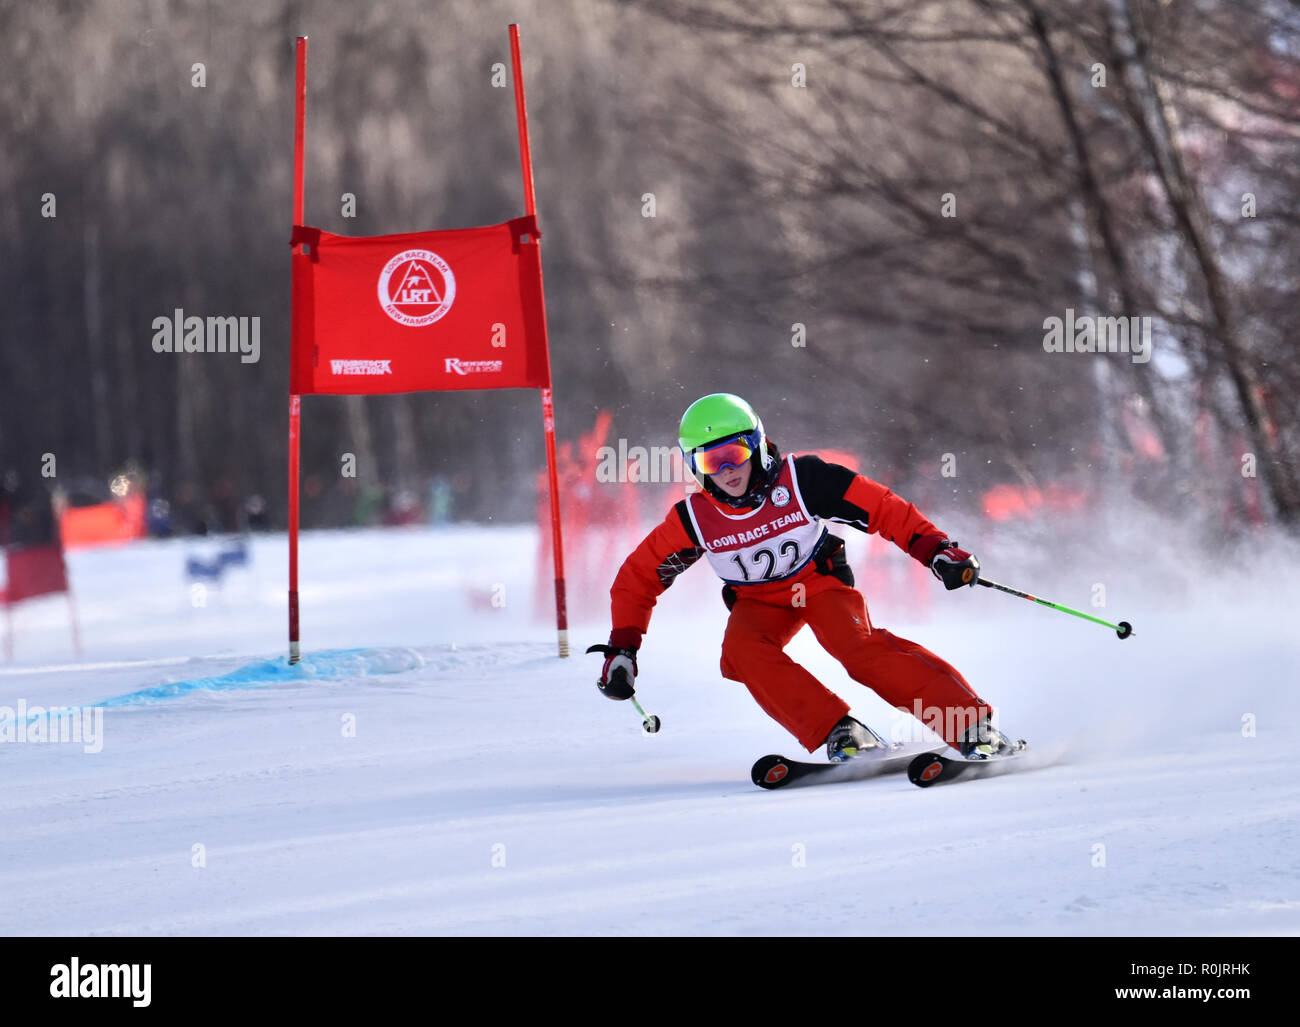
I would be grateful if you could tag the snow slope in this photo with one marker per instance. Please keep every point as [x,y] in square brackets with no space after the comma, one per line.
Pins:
[433,768]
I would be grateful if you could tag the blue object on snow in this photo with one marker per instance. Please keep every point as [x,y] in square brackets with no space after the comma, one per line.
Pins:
[333,663]
[233,554]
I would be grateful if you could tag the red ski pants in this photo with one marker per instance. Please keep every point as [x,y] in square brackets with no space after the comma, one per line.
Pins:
[904,674]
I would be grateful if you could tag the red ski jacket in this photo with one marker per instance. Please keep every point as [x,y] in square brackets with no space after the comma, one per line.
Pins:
[830,492]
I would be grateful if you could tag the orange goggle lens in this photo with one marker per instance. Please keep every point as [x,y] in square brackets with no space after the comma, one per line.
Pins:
[726,454]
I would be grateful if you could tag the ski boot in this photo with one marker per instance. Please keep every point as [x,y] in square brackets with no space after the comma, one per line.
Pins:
[849,739]
[983,741]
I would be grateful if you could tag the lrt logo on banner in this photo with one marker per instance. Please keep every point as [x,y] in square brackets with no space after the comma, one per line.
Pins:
[416,288]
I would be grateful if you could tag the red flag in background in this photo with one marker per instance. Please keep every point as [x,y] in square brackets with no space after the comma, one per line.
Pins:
[33,554]
[34,571]
[420,311]
[33,558]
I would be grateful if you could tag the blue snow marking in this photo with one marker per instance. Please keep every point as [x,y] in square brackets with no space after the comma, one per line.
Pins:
[332,663]
[337,663]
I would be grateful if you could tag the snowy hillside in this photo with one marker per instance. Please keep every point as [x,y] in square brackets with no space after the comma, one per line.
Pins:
[433,768]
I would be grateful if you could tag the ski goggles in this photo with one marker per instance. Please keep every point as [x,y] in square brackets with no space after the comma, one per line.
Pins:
[733,452]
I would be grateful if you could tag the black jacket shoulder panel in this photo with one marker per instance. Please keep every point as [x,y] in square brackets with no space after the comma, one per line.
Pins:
[822,485]
[684,515]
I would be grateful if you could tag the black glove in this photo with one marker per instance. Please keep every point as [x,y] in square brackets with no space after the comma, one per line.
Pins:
[618,672]
[831,559]
[954,567]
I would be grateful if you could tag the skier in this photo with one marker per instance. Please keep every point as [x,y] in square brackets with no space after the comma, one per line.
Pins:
[758,522]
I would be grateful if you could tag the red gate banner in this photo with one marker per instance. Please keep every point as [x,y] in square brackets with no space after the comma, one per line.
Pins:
[420,311]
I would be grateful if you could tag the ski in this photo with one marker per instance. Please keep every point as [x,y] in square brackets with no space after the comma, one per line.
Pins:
[775,771]
[931,769]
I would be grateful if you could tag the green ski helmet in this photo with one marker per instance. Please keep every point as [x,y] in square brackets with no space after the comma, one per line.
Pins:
[722,417]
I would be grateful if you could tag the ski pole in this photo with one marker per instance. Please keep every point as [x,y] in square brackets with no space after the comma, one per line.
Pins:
[1124,629]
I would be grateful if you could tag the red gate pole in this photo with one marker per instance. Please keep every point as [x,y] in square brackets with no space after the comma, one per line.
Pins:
[295,402]
[548,407]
